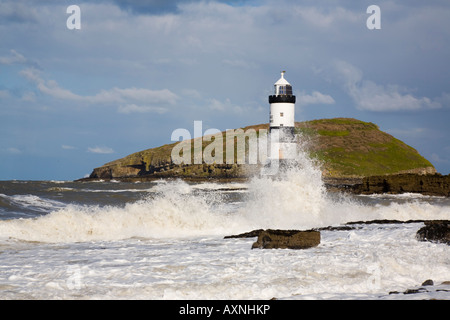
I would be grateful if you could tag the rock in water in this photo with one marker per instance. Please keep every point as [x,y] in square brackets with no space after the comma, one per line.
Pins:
[428,282]
[287,239]
[435,231]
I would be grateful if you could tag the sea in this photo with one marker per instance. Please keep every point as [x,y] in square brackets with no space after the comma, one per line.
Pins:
[165,240]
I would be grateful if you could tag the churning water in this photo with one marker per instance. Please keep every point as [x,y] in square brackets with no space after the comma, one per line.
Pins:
[164,240]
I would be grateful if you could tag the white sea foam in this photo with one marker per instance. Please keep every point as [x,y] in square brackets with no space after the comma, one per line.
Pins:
[173,212]
[33,202]
[170,246]
[113,190]
[365,263]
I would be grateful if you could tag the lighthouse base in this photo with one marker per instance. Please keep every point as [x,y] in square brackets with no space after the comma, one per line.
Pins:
[275,167]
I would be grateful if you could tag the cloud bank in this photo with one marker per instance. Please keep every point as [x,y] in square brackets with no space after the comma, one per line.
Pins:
[115,96]
[371,96]
[136,70]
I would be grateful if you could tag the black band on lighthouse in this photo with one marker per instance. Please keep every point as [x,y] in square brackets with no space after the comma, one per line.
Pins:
[280,99]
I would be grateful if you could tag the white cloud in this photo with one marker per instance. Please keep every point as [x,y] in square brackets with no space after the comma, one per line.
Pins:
[444,100]
[100,150]
[117,95]
[318,17]
[191,93]
[370,96]
[112,96]
[315,98]
[15,57]
[29,96]
[67,147]
[225,106]
[373,97]
[131,108]
[49,87]
[13,150]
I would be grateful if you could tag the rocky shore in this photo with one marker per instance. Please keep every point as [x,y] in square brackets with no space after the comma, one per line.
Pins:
[428,184]
[432,184]
[437,231]
[282,239]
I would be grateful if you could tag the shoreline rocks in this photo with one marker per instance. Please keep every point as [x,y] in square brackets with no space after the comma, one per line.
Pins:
[430,184]
[437,231]
[287,239]
[428,286]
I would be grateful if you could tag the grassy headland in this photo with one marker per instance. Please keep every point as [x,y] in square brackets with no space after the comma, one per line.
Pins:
[343,147]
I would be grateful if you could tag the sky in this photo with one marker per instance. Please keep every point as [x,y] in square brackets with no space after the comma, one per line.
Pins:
[74,99]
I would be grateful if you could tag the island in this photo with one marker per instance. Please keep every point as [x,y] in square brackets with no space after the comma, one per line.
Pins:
[353,155]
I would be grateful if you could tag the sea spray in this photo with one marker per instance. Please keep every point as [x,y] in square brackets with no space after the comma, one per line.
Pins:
[174,210]
[294,198]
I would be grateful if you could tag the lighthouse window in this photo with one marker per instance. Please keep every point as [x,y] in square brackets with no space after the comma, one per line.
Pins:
[281,114]
[288,90]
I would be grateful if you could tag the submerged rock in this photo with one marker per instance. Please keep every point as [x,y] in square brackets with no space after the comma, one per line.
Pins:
[287,239]
[431,288]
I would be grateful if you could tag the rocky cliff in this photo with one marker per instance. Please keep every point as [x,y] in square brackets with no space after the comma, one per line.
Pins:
[432,184]
[343,147]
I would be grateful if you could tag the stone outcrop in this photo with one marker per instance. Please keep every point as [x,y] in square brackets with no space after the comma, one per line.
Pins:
[428,286]
[287,239]
[281,239]
[171,170]
[435,231]
[434,185]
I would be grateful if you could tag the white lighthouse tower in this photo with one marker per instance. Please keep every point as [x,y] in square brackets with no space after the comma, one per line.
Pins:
[282,146]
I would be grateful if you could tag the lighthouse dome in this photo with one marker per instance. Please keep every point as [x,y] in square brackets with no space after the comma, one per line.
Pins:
[282,81]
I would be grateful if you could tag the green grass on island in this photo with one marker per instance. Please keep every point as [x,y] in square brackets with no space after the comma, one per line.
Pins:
[350,147]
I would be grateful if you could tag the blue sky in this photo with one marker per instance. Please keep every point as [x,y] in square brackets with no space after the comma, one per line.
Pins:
[72,100]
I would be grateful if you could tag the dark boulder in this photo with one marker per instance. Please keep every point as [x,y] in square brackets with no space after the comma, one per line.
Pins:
[287,239]
[428,282]
[435,231]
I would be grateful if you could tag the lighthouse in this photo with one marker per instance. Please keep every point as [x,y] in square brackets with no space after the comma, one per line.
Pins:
[282,141]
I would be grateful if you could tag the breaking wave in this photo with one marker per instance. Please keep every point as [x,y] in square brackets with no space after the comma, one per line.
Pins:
[296,199]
